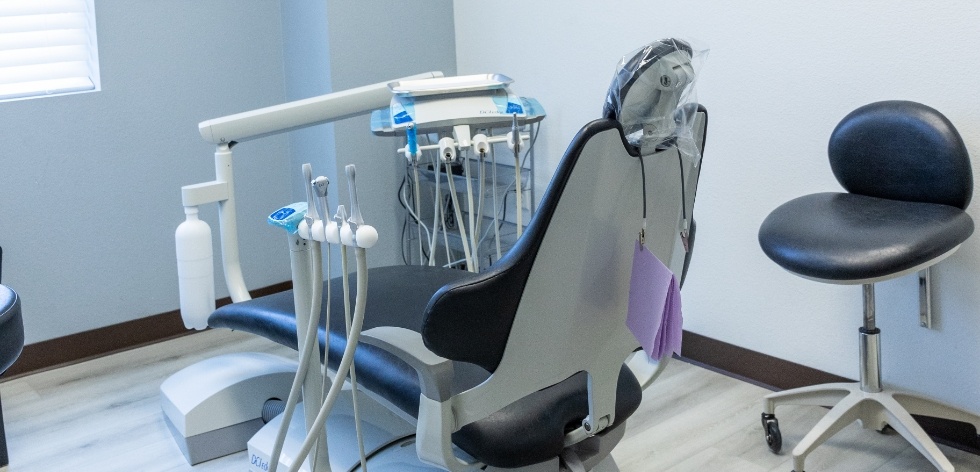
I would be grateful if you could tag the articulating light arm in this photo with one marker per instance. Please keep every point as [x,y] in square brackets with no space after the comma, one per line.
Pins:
[226,131]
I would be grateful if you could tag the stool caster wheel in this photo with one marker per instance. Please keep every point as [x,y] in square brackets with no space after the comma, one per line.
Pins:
[770,426]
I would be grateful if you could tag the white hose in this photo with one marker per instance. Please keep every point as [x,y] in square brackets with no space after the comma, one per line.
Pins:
[353,370]
[480,190]
[436,219]
[418,210]
[459,219]
[469,206]
[356,324]
[520,193]
[496,221]
[404,201]
[325,385]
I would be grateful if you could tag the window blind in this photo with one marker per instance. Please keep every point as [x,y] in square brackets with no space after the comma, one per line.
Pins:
[47,47]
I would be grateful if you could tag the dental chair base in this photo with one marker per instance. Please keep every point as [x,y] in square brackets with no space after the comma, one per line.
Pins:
[383,430]
[223,415]
[874,410]
[389,443]
[224,408]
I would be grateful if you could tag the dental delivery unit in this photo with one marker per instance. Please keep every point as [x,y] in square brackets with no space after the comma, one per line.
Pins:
[531,359]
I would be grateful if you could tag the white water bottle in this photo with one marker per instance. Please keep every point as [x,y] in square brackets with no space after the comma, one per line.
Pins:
[195,270]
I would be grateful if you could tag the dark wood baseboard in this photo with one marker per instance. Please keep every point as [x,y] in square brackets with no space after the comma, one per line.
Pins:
[754,367]
[83,346]
[778,374]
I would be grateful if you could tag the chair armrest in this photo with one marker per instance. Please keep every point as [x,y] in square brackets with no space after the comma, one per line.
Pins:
[436,421]
[435,372]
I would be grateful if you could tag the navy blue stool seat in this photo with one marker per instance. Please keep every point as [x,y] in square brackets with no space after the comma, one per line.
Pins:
[843,236]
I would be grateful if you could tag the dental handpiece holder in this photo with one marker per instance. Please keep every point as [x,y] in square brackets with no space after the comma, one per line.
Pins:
[307,227]
[462,112]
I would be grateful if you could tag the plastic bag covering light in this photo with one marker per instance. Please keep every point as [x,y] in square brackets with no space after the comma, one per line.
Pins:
[653,95]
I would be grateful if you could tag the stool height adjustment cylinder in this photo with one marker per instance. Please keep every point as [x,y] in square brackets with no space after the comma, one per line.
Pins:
[870,345]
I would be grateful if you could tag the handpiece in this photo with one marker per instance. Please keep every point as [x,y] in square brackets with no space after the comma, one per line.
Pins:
[311,215]
[364,236]
[319,228]
[355,210]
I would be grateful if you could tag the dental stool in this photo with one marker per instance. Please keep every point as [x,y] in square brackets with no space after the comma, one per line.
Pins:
[908,180]
[11,345]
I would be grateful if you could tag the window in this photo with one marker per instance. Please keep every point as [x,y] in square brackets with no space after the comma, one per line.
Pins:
[47,47]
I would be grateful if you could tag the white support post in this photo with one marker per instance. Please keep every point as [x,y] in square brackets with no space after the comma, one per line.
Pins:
[229,226]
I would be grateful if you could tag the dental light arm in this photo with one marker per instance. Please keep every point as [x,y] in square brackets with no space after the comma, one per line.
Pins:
[298,114]
[225,132]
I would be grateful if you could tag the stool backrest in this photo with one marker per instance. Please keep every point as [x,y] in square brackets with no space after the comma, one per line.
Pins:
[901,150]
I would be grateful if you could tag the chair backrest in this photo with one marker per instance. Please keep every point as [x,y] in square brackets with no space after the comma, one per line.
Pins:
[559,297]
[901,150]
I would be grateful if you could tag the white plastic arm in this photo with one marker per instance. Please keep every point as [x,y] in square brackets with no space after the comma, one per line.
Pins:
[301,113]
[221,190]
[266,122]
[229,228]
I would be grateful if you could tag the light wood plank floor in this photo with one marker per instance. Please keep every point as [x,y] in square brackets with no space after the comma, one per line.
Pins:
[104,415]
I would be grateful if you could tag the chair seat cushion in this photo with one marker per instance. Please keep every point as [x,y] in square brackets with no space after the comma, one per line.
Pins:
[849,237]
[11,328]
[526,432]
[397,296]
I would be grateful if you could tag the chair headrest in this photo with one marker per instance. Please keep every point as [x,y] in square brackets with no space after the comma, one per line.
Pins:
[649,88]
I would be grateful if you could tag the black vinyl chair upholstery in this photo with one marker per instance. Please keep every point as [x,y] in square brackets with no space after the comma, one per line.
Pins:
[908,180]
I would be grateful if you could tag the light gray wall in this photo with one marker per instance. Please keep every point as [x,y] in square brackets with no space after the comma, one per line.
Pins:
[94,179]
[779,77]
[373,41]
[336,45]
[90,183]
[306,63]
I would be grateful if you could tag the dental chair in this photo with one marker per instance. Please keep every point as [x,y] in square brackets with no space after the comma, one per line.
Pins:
[908,181]
[521,367]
